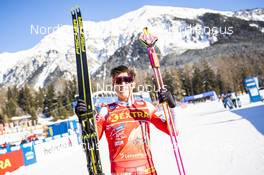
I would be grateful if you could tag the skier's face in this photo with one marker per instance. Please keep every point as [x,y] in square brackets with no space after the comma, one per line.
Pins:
[123,85]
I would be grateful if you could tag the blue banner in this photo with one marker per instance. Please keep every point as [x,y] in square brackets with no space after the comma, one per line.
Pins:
[211,94]
[251,85]
[29,153]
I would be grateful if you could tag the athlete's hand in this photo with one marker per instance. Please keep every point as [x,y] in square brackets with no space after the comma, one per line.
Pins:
[165,96]
[81,109]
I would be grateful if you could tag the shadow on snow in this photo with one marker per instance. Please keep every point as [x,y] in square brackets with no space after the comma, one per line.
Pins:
[255,115]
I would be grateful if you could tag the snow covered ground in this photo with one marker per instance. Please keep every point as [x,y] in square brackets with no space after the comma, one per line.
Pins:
[213,141]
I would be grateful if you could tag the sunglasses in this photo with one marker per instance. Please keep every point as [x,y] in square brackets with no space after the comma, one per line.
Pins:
[125,79]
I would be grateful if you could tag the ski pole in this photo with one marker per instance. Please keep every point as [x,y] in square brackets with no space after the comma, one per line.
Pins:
[149,41]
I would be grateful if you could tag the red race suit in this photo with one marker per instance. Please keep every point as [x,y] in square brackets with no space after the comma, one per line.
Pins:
[127,131]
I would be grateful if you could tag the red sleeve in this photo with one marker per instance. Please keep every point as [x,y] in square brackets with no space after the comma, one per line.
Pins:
[100,121]
[156,118]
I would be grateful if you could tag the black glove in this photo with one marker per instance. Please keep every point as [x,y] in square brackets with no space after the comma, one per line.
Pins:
[165,96]
[81,109]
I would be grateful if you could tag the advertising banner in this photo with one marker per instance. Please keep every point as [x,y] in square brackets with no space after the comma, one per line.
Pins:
[29,153]
[11,161]
[57,145]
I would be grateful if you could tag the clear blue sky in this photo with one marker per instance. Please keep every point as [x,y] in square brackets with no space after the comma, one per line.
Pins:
[17,16]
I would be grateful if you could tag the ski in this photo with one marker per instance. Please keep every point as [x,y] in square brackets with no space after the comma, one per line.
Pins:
[88,123]
[149,41]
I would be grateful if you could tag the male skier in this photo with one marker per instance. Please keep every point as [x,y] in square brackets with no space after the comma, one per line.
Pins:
[126,125]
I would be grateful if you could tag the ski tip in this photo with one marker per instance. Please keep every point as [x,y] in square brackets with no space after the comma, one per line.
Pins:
[75,8]
[147,38]
[72,11]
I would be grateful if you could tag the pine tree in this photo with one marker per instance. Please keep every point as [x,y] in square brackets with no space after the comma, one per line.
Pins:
[25,99]
[39,98]
[30,105]
[197,81]
[151,88]
[178,86]
[208,77]
[57,110]
[68,96]
[219,83]
[33,113]
[10,108]
[169,82]
[26,102]
[172,82]
[186,80]
[21,99]
[64,109]
[50,102]
[73,88]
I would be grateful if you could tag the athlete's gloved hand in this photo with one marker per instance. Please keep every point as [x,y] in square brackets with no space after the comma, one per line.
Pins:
[81,109]
[165,96]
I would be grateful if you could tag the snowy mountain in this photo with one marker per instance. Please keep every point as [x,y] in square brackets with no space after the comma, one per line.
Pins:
[250,14]
[54,58]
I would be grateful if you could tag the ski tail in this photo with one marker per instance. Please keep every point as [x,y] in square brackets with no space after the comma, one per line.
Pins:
[88,125]
[149,41]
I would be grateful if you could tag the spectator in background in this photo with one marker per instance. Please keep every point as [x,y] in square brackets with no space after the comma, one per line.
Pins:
[45,131]
[233,97]
[2,126]
[2,131]
[227,101]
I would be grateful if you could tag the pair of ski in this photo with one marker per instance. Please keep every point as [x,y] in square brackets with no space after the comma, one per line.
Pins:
[88,124]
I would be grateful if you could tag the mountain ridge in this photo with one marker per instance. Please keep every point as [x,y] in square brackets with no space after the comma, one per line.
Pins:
[54,54]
